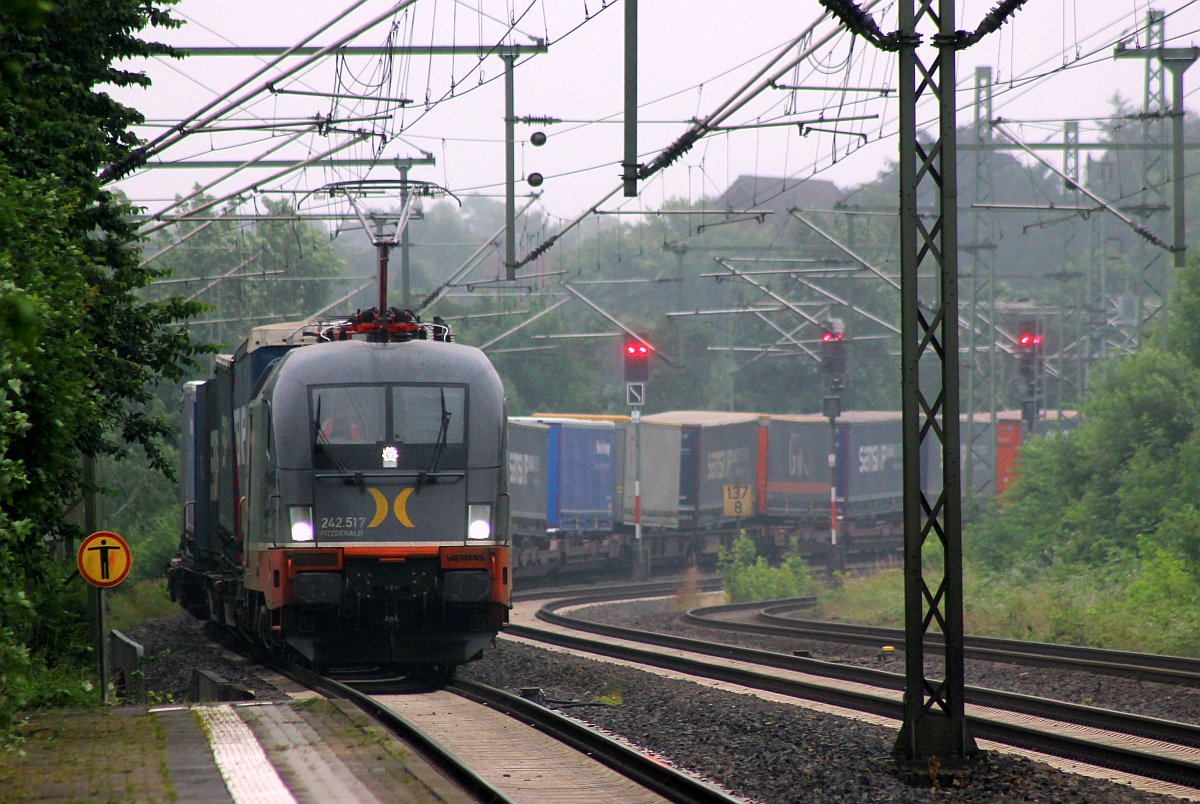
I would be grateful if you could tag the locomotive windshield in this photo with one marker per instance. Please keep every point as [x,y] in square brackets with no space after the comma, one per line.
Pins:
[414,427]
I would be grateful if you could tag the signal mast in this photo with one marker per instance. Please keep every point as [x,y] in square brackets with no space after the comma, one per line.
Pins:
[833,372]
[1029,365]
[635,358]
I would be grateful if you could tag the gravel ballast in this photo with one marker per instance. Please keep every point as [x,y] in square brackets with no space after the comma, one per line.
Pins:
[764,751]
[175,645]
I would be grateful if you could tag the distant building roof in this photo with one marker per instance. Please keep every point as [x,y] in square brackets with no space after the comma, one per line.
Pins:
[770,192]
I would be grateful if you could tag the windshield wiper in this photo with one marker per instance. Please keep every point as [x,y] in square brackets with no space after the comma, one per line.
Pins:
[322,441]
[443,430]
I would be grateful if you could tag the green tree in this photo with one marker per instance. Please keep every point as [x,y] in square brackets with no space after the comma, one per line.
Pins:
[1091,494]
[1125,482]
[251,272]
[71,247]
[86,351]
[1183,329]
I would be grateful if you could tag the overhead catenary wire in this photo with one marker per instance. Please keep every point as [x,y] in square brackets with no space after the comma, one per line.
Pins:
[1142,231]
[227,275]
[743,95]
[723,111]
[253,186]
[199,124]
[1055,72]
[206,114]
[199,191]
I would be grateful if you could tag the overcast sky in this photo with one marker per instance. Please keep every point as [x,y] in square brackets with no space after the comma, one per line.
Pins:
[693,56]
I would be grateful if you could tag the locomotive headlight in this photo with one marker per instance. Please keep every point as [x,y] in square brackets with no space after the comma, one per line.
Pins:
[479,522]
[301,521]
[391,455]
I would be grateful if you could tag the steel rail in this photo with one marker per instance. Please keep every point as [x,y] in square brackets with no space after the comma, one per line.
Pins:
[1127,723]
[429,748]
[651,774]
[1115,757]
[1142,666]
[1125,664]
[595,593]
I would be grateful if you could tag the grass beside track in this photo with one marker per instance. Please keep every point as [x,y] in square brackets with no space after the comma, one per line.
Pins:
[95,755]
[141,601]
[1097,609]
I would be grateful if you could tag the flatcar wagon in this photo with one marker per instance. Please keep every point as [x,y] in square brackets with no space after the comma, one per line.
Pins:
[561,480]
[345,494]
[708,477]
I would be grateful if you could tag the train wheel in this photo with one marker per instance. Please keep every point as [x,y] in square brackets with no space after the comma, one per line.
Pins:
[262,627]
[436,674]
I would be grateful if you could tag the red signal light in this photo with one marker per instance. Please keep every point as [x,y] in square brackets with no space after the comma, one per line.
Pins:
[637,361]
[1028,339]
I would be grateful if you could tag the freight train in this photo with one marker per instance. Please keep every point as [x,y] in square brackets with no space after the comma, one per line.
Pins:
[706,477]
[343,491]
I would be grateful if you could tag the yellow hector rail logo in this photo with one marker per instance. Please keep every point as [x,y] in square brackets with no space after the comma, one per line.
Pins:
[399,507]
[104,559]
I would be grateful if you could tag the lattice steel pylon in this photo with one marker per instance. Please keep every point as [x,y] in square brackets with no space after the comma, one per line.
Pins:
[980,436]
[1155,169]
[1155,164]
[1074,304]
[935,724]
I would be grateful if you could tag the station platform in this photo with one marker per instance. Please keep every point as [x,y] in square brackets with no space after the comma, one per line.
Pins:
[300,750]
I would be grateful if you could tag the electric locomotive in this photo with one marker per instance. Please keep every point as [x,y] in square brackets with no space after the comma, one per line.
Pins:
[344,494]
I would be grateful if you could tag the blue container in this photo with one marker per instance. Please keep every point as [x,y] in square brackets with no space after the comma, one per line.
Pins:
[527,472]
[585,463]
[579,478]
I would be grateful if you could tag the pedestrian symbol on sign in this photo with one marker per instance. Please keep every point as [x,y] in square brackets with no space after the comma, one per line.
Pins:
[104,549]
[104,559]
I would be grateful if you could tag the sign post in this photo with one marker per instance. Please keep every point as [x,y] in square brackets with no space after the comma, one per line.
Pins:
[104,560]
[640,570]
[636,362]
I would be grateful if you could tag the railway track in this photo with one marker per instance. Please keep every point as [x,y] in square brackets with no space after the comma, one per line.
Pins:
[777,620]
[1134,744]
[502,748]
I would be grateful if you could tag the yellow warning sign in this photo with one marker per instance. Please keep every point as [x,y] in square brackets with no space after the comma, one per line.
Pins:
[738,500]
[104,559]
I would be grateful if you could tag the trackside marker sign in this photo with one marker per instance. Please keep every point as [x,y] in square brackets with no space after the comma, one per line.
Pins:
[104,559]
